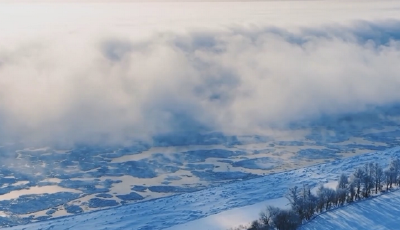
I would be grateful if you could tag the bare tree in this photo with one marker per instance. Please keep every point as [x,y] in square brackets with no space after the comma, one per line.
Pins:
[266,218]
[356,178]
[304,204]
[255,225]
[293,196]
[352,192]
[326,198]
[395,165]
[341,194]
[296,199]
[286,220]
[388,178]
[343,181]
[320,199]
[368,180]
[378,176]
[308,203]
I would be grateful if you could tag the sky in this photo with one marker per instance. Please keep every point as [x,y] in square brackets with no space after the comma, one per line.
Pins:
[110,73]
[142,1]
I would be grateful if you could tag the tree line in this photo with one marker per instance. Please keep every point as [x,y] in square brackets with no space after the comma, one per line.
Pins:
[304,205]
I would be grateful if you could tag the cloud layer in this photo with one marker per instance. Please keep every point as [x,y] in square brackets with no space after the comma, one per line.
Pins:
[114,89]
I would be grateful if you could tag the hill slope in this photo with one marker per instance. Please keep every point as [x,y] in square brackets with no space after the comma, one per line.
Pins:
[380,213]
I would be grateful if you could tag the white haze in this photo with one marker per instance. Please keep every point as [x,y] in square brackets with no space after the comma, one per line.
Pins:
[115,72]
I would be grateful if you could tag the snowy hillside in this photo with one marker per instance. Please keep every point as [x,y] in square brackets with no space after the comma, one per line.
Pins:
[180,209]
[381,213]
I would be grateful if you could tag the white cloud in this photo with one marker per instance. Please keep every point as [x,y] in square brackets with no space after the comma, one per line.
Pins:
[94,87]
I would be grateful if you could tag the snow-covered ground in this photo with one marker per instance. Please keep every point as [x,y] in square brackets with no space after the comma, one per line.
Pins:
[180,209]
[381,213]
[44,183]
[233,217]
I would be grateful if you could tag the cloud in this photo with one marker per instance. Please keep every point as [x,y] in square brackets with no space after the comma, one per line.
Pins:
[112,89]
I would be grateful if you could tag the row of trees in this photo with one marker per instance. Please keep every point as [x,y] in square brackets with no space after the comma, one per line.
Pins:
[364,181]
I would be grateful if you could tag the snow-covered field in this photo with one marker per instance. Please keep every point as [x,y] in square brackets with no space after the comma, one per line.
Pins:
[45,183]
[180,209]
[382,213]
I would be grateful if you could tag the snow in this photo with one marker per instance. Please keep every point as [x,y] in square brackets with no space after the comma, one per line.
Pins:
[232,218]
[158,171]
[382,212]
[181,209]
[36,190]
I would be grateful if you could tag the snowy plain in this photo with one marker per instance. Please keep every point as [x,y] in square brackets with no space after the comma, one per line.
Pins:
[181,209]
